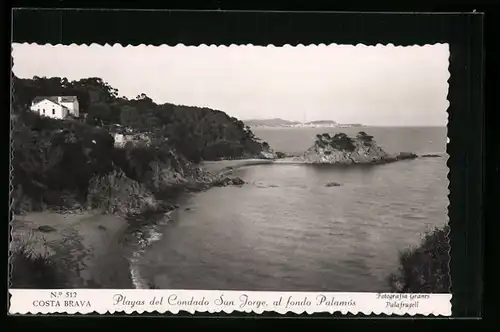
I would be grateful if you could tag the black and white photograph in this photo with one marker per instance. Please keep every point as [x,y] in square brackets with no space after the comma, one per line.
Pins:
[308,168]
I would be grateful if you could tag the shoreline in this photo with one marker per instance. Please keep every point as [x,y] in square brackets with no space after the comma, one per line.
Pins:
[221,167]
[87,246]
[93,244]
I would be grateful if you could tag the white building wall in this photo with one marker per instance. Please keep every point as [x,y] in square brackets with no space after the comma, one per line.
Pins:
[119,140]
[50,109]
[76,108]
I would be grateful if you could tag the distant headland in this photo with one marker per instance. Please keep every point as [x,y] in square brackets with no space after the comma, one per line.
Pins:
[277,122]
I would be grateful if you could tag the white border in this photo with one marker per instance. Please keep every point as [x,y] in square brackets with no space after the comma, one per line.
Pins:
[86,301]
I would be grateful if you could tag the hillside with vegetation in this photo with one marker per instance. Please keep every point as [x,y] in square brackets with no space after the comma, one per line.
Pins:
[64,163]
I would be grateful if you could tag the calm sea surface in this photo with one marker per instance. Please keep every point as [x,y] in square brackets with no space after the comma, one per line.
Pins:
[284,230]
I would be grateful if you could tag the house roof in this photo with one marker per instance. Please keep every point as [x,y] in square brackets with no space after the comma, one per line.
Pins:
[51,100]
[64,99]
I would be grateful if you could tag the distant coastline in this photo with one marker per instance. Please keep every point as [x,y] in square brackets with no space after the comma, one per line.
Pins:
[280,123]
[307,125]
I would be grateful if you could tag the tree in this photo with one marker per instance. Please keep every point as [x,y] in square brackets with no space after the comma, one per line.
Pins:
[143,96]
[342,142]
[93,90]
[425,269]
[130,117]
[100,114]
[364,137]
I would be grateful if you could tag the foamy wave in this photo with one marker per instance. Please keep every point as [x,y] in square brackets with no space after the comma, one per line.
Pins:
[145,237]
[135,275]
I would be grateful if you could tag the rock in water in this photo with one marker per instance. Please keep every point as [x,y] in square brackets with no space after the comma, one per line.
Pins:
[406,155]
[332,184]
[46,229]
[344,150]
[237,181]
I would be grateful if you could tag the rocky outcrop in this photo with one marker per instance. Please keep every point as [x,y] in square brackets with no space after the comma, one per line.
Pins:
[406,155]
[344,150]
[430,155]
[341,149]
[164,177]
[223,181]
[115,193]
[332,184]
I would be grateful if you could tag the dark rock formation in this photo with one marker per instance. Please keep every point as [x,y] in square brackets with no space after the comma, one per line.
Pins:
[406,155]
[430,155]
[332,184]
[46,229]
[281,155]
[223,181]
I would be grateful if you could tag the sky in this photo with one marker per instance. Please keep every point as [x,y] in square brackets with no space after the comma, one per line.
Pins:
[382,85]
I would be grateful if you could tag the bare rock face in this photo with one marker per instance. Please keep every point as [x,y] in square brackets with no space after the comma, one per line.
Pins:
[166,177]
[344,150]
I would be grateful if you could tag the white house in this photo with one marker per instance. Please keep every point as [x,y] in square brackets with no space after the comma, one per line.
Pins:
[58,107]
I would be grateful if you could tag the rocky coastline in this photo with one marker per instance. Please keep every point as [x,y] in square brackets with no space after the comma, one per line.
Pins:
[85,240]
[115,202]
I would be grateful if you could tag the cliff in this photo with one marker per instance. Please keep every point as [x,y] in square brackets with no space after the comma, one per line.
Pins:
[344,150]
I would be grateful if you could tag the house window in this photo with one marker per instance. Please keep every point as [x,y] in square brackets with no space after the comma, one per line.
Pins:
[53,111]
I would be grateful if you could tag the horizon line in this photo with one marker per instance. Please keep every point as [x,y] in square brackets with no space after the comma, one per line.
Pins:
[376,125]
[348,123]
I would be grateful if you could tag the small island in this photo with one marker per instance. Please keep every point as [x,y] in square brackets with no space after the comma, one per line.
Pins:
[341,149]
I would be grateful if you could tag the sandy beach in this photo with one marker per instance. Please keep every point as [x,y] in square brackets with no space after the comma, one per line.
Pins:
[90,243]
[219,166]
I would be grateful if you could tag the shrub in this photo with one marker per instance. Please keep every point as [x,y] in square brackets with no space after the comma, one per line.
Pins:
[34,270]
[280,155]
[342,142]
[425,269]
[339,141]
[53,156]
[321,144]
[364,137]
